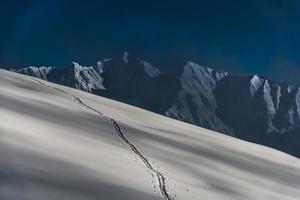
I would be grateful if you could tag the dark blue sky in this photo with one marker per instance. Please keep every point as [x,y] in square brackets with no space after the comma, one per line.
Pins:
[257,36]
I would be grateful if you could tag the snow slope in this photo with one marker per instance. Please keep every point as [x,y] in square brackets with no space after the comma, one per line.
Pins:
[60,143]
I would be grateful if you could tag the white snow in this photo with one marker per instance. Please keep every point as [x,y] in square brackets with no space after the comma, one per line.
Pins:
[150,69]
[255,83]
[298,102]
[40,72]
[220,75]
[290,88]
[107,59]
[278,95]
[100,66]
[268,98]
[195,102]
[90,79]
[210,70]
[203,74]
[291,118]
[125,57]
[59,143]
[270,106]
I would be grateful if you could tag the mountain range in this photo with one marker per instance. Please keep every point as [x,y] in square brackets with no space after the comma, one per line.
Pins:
[249,107]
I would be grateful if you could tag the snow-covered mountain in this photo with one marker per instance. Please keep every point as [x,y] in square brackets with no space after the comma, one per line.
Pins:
[195,102]
[77,76]
[252,108]
[58,143]
[39,72]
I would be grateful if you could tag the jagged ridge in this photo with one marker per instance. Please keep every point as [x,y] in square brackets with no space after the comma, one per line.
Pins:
[252,108]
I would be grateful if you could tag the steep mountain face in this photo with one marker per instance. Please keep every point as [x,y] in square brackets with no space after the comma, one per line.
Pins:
[127,79]
[261,111]
[76,76]
[252,108]
[195,102]
[131,80]
[39,72]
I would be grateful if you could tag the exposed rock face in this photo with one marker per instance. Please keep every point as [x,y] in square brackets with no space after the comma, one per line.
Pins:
[195,102]
[266,116]
[252,108]
[40,72]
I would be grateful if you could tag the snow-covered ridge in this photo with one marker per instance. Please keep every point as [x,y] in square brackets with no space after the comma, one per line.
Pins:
[195,102]
[67,145]
[150,69]
[204,74]
[270,106]
[255,83]
[298,102]
[278,95]
[273,103]
[290,88]
[125,57]
[40,72]
[87,78]
[253,107]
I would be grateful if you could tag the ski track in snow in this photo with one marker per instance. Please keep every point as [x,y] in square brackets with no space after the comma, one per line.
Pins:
[161,179]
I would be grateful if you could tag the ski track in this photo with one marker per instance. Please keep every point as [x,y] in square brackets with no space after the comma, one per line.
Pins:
[154,172]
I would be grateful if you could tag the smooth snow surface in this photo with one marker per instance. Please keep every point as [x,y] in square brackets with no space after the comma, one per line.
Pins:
[60,143]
